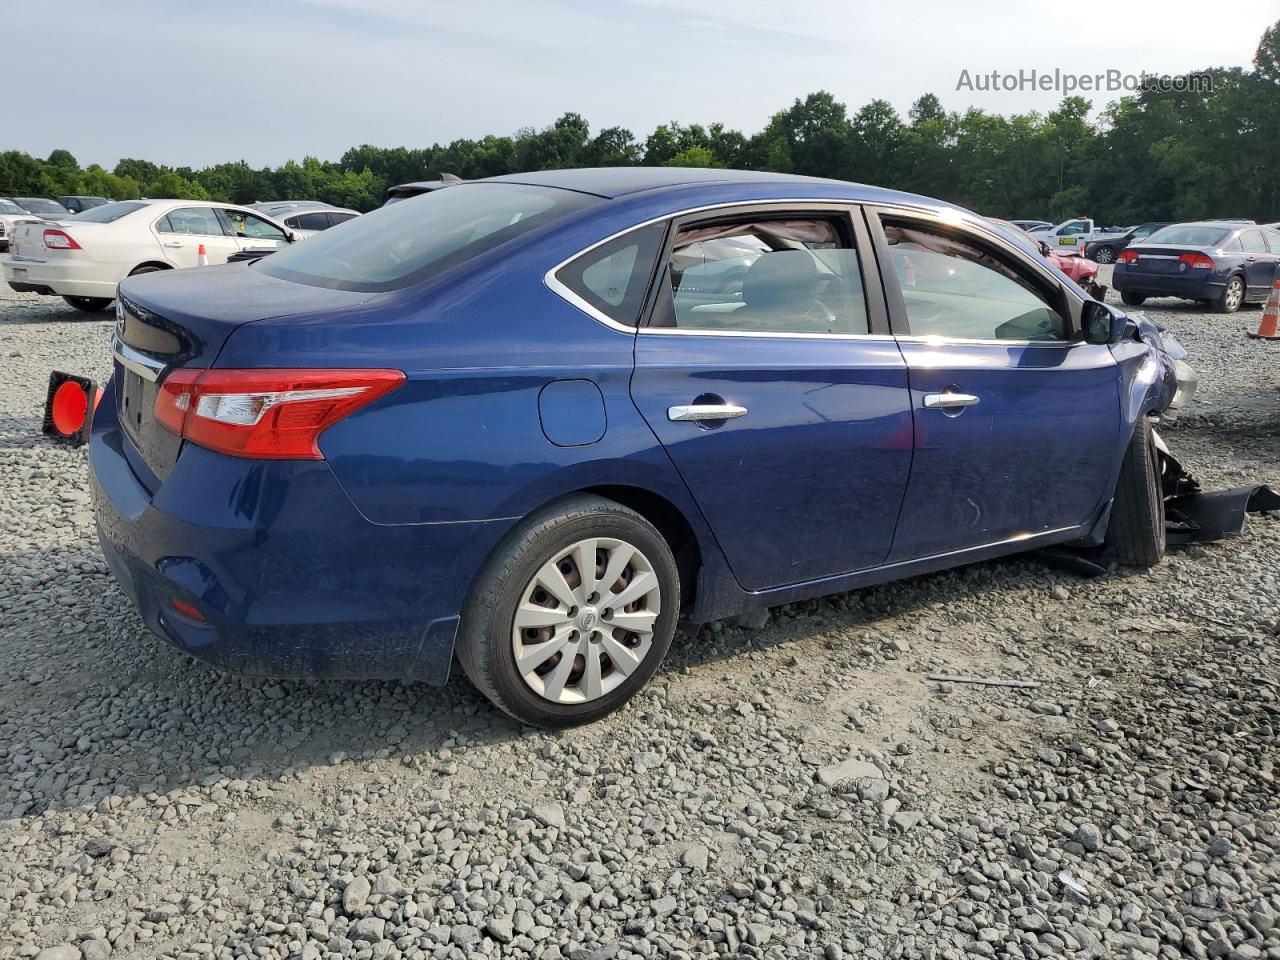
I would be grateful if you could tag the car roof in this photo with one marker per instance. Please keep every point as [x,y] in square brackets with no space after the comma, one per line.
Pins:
[612,182]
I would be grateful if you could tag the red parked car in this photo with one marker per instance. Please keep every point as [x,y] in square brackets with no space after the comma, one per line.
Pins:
[1080,269]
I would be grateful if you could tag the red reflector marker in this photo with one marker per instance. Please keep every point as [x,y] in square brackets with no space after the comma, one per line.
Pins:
[186,609]
[69,406]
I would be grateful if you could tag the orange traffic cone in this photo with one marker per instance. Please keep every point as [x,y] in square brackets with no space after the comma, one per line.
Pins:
[1270,315]
[202,258]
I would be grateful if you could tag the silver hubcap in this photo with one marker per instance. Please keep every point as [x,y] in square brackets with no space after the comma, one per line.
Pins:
[1235,293]
[1104,255]
[585,621]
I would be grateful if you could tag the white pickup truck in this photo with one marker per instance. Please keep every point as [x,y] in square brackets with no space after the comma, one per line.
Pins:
[1072,233]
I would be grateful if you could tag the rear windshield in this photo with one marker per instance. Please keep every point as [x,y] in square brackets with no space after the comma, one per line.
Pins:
[38,205]
[395,246]
[1189,236]
[109,212]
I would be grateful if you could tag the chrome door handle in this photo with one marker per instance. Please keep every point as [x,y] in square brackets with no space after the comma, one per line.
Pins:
[172,243]
[706,411]
[948,400]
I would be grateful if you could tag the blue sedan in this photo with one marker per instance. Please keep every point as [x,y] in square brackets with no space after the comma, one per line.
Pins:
[1222,263]
[532,421]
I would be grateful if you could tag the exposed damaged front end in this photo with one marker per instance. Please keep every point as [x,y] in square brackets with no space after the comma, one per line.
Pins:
[1173,380]
[1192,515]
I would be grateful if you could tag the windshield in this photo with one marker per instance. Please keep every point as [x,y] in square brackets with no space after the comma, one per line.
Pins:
[110,212]
[1189,236]
[7,207]
[39,205]
[395,246]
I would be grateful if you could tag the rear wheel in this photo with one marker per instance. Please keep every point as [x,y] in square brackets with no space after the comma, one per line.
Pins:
[1104,254]
[1232,296]
[1133,299]
[572,615]
[146,268]
[1136,534]
[89,304]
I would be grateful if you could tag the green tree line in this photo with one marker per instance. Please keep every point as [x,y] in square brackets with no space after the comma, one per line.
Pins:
[1155,155]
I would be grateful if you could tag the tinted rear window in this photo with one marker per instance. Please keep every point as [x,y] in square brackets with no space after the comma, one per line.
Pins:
[41,206]
[402,244]
[1189,236]
[109,212]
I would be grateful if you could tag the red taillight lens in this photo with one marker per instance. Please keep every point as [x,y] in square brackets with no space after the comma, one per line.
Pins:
[60,240]
[1127,256]
[266,414]
[1196,261]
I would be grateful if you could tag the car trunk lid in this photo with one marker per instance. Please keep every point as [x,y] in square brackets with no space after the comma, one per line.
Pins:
[181,319]
[1163,259]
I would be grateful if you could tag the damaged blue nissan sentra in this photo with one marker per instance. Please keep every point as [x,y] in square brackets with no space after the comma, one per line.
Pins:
[533,420]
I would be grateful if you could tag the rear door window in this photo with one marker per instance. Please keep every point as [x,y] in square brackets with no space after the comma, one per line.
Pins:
[954,287]
[613,278]
[193,221]
[1251,242]
[337,218]
[785,275]
[252,226]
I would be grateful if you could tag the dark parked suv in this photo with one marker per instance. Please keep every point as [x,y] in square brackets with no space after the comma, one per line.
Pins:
[1219,262]
[1105,249]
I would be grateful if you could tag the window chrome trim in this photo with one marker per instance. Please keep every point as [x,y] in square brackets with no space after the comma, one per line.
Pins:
[928,339]
[554,284]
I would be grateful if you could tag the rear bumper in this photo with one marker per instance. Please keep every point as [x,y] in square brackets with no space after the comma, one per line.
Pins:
[70,279]
[1158,285]
[291,579]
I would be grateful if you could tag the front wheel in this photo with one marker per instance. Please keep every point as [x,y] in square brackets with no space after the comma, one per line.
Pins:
[1136,533]
[572,614]
[1232,296]
[1104,255]
[1133,299]
[89,304]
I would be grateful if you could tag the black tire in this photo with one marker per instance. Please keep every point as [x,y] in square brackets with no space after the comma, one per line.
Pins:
[1133,299]
[1232,297]
[1136,533]
[89,304]
[146,268]
[485,636]
[1105,254]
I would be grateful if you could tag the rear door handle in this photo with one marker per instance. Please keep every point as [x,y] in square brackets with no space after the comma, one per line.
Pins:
[949,400]
[706,411]
[173,243]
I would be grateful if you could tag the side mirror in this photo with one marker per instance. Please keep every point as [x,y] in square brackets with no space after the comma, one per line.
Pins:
[1103,324]
[290,237]
[1045,249]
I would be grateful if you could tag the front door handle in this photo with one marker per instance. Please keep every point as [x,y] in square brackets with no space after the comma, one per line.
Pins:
[949,400]
[706,411]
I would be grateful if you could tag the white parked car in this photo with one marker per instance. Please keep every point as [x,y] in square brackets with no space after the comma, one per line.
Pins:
[83,258]
[11,214]
[306,218]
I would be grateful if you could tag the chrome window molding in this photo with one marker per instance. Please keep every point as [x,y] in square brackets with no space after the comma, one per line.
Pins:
[554,284]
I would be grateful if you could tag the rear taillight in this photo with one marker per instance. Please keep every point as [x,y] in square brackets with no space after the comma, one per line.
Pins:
[265,414]
[60,240]
[1196,261]
[1127,256]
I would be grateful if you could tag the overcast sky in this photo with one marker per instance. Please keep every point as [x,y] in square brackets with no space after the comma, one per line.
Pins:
[193,82]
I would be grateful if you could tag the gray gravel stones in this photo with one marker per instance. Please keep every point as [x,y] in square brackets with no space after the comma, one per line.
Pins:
[790,786]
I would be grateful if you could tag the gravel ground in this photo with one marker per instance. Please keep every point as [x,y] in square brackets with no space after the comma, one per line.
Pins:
[796,790]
